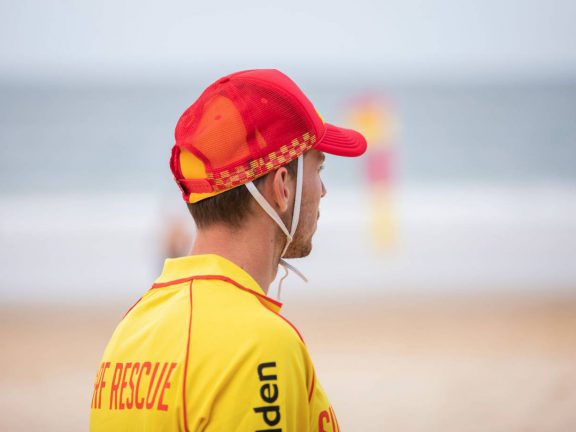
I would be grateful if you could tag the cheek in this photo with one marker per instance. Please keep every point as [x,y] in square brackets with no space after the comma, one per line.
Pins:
[312,193]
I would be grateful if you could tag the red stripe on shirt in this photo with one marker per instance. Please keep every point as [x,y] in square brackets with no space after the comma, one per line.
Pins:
[184,406]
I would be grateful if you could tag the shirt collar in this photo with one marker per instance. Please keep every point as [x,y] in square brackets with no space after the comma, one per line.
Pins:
[198,266]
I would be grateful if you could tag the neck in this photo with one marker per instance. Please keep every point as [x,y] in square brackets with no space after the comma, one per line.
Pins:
[255,248]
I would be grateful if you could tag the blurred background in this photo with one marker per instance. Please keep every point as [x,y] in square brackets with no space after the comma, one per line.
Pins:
[442,293]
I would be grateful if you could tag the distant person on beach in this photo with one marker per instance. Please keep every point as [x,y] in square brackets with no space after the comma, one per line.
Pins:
[205,349]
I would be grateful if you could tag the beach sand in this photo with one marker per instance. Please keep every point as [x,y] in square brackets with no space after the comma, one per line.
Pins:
[399,363]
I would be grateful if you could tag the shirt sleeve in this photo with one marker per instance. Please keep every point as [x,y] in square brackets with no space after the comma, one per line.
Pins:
[266,389]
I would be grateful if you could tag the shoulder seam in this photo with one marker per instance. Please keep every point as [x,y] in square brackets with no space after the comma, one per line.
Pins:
[290,324]
[312,386]
[216,277]
[132,307]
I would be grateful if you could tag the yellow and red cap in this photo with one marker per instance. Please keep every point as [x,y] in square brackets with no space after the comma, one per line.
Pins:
[245,125]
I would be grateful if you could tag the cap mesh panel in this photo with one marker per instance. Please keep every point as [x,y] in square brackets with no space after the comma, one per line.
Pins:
[233,128]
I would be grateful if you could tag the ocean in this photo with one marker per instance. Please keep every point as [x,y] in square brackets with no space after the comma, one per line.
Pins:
[483,195]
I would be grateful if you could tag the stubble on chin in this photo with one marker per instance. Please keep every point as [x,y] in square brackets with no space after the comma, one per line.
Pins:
[299,249]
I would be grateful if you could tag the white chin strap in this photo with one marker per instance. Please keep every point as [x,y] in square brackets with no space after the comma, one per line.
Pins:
[295,217]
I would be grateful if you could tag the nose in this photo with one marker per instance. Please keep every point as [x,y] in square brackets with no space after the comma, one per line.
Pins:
[324,191]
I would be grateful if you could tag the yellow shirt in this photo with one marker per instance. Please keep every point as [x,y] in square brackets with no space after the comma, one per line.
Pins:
[205,350]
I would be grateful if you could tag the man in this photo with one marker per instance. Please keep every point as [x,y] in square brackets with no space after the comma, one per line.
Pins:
[205,349]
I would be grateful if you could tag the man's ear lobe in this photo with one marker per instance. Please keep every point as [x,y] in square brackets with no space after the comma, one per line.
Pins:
[280,189]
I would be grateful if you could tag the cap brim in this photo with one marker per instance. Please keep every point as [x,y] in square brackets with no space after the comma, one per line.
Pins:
[341,142]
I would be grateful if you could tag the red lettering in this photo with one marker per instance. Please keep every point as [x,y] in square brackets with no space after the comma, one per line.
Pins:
[140,403]
[161,405]
[102,384]
[115,385]
[124,384]
[323,416]
[96,385]
[150,403]
[130,375]
[130,401]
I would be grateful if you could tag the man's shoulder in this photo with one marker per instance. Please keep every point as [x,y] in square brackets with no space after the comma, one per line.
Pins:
[276,330]
[218,309]
[242,309]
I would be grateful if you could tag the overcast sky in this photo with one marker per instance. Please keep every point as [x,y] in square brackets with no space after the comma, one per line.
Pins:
[401,38]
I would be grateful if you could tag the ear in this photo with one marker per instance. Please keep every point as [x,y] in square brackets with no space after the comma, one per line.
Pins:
[281,190]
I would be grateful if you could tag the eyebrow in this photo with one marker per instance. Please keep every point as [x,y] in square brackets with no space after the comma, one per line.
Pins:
[322,157]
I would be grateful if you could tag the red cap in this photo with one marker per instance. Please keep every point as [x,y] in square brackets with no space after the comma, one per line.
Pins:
[245,125]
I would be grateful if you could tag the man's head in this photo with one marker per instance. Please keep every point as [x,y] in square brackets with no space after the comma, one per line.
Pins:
[234,208]
[313,190]
[256,128]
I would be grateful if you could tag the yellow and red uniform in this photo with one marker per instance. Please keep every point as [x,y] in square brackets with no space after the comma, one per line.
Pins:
[205,350]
